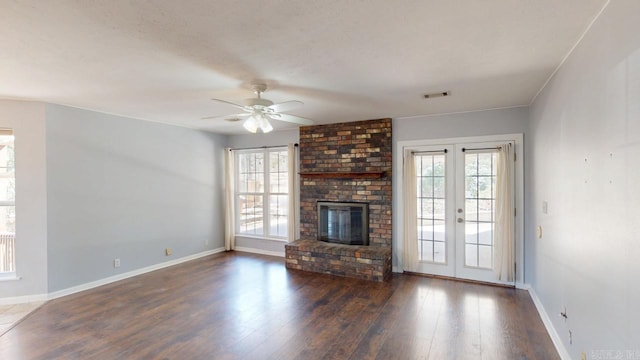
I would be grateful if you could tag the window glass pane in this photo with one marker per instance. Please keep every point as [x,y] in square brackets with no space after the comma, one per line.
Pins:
[242,182]
[8,196]
[7,189]
[250,172]
[7,219]
[278,172]
[7,169]
[7,239]
[251,214]
[278,210]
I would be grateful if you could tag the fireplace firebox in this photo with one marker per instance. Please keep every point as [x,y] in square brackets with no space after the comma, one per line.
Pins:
[343,222]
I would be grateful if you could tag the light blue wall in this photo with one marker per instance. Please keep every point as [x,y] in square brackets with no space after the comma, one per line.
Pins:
[476,123]
[584,160]
[128,189]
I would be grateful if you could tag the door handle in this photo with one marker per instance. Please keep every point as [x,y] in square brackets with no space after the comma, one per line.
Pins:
[460,220]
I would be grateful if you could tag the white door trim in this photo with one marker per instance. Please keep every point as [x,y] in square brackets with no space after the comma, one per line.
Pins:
[398,216]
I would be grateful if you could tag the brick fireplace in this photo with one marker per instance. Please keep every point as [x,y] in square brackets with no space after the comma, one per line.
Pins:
[346,162]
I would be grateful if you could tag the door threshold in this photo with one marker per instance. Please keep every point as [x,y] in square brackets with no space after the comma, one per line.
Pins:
[478,282]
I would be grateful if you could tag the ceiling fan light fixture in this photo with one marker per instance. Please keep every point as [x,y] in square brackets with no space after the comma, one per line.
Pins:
[258,121]
[251,124]
[265,125]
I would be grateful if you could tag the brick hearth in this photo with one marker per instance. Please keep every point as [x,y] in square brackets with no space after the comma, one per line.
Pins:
[362,262]
[345,154]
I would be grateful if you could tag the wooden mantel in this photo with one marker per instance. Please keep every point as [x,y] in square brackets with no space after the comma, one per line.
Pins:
[343,175]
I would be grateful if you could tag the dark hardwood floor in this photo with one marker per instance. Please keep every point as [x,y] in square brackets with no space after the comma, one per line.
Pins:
[242,306]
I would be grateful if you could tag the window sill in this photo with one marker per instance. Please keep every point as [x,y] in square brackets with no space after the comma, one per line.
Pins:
[262,238]
[12,277]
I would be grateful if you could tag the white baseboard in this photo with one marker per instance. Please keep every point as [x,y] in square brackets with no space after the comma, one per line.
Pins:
[23,299]
[94,284]
[259,251]
[555,337]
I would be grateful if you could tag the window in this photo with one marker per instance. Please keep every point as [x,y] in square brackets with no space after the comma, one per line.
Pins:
[7,203]
[262,192]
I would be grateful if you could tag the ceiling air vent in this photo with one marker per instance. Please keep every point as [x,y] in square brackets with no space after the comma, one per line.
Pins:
[437,94]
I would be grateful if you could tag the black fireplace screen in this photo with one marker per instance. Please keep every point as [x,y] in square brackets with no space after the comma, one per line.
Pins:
[343,222]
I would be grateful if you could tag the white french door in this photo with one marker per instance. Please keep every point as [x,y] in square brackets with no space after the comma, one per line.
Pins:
[456,209]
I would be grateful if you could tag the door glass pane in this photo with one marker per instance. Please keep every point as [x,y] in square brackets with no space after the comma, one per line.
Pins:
[471,232]
[439,252]
[430,170]
[471,255]
[484,256]
[480,180]
[438,230]
[471,207]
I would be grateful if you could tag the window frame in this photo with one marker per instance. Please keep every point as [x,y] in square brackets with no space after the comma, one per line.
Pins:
[266,193]
[9,275]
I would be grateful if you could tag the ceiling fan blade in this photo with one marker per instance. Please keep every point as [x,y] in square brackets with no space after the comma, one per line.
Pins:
[230,103]
[225,116]
[285,106]
[291,119]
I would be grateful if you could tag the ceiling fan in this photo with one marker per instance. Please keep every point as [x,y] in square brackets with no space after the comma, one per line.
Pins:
[259,111]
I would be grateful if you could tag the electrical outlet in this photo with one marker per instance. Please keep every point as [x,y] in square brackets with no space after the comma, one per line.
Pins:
[167,251]
[116,262]
[206,242]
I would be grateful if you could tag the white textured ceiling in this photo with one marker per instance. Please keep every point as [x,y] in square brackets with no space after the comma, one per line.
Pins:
[346,60]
